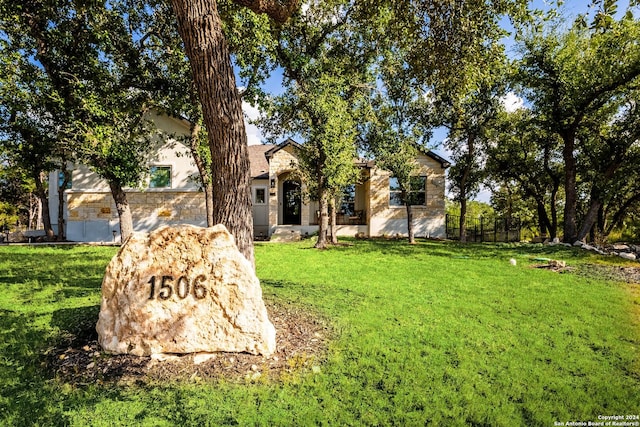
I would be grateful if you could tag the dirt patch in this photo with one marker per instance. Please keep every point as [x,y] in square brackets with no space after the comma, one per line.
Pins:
[629,275]
[301,342]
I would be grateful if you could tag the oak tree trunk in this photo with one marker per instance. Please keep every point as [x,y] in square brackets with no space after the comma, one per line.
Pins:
[62,231]
[463,187]
[124,210]
[410,231]
[543,219]
[200,28]
[571,197]
[590,218]
[323,225]
[463,217]
[41,192]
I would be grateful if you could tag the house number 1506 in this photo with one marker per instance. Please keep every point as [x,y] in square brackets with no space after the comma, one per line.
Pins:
[182,287]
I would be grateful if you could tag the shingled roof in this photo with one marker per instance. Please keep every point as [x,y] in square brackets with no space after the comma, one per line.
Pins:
[258,160]
[259,156]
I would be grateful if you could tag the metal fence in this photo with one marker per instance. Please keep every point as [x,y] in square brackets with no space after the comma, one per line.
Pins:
[484,229]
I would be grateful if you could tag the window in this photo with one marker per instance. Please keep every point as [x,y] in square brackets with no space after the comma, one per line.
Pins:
[259,196]
[160,177]
[416,195]
[347,204]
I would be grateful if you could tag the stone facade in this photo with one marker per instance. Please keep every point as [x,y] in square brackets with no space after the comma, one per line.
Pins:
[281,166]
[390,220]
[91,213]
[170,206]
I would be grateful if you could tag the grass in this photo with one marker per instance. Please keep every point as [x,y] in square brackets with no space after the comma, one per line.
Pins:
[433,333]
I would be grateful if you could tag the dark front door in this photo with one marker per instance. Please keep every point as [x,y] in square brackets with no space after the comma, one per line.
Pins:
[292,202]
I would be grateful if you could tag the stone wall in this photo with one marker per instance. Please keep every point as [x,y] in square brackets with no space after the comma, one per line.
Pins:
[172,206]
[281,164]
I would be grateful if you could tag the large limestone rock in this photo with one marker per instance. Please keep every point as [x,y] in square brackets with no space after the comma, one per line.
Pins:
[181,290]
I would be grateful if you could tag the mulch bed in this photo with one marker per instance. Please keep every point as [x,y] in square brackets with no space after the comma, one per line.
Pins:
[301,342]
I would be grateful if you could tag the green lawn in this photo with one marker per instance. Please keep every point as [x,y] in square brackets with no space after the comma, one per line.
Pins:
[432,333]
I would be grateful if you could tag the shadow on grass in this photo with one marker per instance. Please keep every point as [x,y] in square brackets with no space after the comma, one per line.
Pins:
[26,397]
[452,249]
[29,392]
[76,325]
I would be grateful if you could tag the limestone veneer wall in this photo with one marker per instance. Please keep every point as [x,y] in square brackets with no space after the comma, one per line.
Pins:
[92,215]
[281,164]
[429,220]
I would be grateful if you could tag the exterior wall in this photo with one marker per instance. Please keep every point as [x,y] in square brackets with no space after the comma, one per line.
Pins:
[92,216]
[429,220]
[91,213]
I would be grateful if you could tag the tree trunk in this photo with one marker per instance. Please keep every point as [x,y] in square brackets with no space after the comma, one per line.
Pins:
[205,177]
[601,223]
[334,232]
[324,220]
[571,197]
[463,218]
[556,180]
[200,27]
[553,230]
[62,232]
[124,211]
[34,211]
[463,187]
[410,231]
[589,220]
[41,192]
[543,219]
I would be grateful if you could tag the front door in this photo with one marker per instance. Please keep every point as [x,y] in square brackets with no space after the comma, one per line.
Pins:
[292,203]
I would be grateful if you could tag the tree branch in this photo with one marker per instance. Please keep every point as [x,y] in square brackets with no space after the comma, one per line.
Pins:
[275,9]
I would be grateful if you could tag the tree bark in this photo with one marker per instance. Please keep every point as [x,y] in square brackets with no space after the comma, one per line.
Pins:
[200,28]
[124,210]
[463,217]
[410,231]
[463,187]
[543,219]
[570,227]
[589,220]
[62,232]
[41,192]
[323,225]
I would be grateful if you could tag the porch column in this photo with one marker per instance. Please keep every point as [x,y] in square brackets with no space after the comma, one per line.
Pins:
[273,202]
[304,208]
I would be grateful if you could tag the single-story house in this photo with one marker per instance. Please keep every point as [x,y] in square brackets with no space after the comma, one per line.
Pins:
[171,195]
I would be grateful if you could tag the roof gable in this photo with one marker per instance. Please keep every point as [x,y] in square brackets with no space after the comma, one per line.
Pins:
[443,162]
[287,143]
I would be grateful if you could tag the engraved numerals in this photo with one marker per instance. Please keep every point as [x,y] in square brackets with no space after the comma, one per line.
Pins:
[164,287]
